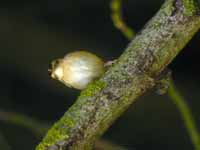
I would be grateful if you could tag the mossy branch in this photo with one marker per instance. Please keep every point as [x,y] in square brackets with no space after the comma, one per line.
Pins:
[39,128]
[173,92]
[135,72]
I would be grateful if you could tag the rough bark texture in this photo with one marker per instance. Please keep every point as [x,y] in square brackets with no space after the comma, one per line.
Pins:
[135,72]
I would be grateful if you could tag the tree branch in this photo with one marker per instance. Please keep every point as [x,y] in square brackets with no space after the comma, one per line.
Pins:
[39,128]
[173,92]
[134,73]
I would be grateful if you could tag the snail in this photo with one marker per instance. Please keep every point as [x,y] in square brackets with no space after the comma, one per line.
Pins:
[77,69]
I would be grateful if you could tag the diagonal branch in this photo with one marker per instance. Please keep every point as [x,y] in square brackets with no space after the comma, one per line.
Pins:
[173,92]
[39,128]
[162,38]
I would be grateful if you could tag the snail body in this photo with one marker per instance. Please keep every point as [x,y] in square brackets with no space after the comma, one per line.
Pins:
[77,69]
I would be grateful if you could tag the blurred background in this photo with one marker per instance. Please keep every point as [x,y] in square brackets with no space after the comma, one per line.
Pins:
[34,32]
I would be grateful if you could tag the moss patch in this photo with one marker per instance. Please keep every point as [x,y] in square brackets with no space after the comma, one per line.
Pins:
[57,133]
[189,7]
[92,88]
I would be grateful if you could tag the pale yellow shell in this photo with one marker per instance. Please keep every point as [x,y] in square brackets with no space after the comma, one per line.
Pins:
[77,69]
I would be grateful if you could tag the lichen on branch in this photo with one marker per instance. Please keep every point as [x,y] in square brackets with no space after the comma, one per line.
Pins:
[135,71]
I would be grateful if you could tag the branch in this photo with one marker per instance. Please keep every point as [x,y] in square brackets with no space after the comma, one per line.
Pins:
[135,72]
[39,128]
[173,92]
[116,16]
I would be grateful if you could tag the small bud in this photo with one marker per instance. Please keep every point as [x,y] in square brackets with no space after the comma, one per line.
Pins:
[77,69]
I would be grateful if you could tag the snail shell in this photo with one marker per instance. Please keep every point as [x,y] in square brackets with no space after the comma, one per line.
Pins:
[77,69]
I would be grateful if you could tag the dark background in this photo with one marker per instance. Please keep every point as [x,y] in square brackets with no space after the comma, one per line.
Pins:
[34,32]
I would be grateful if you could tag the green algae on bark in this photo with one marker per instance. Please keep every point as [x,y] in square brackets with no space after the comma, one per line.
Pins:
[147,55]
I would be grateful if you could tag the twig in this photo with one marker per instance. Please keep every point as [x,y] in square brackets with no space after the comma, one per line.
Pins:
[186,114]
[116,15]
[34,125]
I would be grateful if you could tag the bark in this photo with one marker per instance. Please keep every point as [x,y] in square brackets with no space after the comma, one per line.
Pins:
[134,73]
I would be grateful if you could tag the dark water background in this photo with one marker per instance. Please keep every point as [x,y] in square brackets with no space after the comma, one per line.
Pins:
[34,32]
